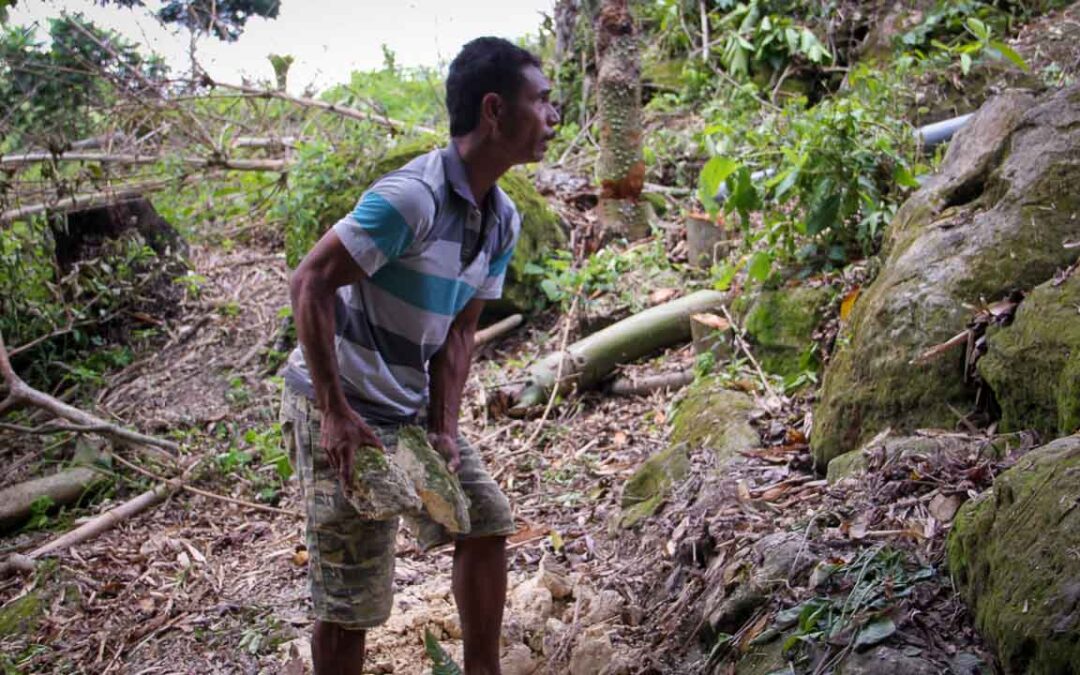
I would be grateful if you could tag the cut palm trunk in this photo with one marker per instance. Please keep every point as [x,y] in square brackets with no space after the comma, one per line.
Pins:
[621,165]
[586,362]
[17,502]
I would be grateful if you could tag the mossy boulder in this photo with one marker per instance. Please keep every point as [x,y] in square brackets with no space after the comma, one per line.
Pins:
[710,416]
[326,182]
[651,483]
[1033,366]
[994,219]
[898,448]
[541,235]
[1012,552]
[780,326]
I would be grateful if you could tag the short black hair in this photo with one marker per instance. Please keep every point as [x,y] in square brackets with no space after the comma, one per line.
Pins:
[484,65]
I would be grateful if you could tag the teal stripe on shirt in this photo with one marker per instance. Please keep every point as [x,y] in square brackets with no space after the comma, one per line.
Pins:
[384,224]
[433,294]
[498,265]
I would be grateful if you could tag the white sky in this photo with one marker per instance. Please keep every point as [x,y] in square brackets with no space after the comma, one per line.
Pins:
[328,38]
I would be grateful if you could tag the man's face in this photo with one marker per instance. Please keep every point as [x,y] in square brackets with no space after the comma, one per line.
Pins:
[528,123]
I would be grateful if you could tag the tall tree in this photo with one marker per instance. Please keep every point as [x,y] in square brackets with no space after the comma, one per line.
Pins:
[621,167]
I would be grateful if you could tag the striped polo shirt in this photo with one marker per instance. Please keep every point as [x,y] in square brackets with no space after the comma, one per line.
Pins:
[426,249]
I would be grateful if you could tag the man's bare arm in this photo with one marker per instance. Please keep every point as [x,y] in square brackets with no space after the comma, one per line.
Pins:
[449,371]
[325,269]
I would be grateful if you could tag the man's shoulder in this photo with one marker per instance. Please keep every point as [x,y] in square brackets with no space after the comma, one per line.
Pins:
[426,169]
[414,188]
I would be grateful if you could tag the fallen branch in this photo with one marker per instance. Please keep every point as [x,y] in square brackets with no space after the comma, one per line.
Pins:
[630,386]
[18,562]
[92,198]
[134,160]
[305,102]
[589,361]
[20,394]
[497,329]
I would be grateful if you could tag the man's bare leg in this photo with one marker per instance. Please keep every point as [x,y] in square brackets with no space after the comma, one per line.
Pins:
[480,592]
[336,650]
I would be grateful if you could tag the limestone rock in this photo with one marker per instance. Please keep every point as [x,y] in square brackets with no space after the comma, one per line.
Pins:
[1033,366]
[603,606]
[780,327]
[994,219]
[518,660]
[1012,552]
[652,482]
[552,576]
[438,488]
[406,478]
[591,654]
[776,560]
[714,417]
[533,604]
[883,660]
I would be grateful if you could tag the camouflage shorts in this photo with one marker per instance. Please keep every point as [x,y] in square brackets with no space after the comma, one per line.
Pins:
[351,560]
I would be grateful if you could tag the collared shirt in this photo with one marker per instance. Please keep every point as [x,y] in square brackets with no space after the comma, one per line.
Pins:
[426,249]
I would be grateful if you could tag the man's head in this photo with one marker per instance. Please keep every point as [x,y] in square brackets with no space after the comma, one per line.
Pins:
[497,92]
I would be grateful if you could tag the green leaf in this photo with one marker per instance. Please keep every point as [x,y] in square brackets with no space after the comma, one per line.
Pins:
[977,28]
[744,195]
[441,663]
[965,63]
[551,290]
[825,206]
[760,266]
[715,172]
[1010,54]
[903,177]
[874,632]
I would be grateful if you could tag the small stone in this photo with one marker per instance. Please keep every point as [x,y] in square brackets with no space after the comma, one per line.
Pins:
[592,654]
[518,660]
[552,576]
[533,604]
[608,604]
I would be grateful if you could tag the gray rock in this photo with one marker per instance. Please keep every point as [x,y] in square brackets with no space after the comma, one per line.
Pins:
[994,219]
[885,661]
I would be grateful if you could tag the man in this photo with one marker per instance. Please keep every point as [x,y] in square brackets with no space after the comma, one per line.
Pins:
[386,306]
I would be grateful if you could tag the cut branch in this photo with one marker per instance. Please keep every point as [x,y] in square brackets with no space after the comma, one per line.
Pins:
[132,160]
[630,386]
[344,111]
[92,198]
[497,329]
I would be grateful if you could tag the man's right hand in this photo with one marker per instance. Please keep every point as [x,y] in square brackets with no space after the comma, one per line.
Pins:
[343,431]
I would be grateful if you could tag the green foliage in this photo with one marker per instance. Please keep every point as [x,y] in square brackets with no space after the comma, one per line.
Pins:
[257,455]
[409,95]
[763,33]
[441,663]
[47,89]
[561,279]
[861,594]
[838,172]
[39,513]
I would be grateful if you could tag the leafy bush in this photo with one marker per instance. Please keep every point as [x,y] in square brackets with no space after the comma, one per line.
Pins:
[831,176]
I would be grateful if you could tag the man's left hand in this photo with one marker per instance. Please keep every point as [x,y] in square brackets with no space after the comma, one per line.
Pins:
[446,445]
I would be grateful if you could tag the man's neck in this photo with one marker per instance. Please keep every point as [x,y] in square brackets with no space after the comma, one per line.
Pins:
[482,167]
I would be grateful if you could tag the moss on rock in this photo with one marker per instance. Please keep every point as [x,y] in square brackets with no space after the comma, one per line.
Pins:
[652,482]
[992,220]
[541,235]
[780,325]
[716,418]
[1012,552]
[1033,366]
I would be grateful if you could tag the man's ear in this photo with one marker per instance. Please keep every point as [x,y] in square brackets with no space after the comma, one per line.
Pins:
[491,109]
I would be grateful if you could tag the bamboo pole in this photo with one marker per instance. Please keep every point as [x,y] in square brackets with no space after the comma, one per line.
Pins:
[586,362]
[136,159]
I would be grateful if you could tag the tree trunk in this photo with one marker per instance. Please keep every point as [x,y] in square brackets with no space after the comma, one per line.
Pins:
[586,362]
[61,488]
[620,167]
